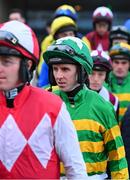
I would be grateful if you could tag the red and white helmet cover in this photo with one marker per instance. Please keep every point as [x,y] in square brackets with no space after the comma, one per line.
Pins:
[102,13]
[101,59]
[27,41]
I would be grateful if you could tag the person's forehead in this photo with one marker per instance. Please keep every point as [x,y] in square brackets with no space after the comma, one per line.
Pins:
[121,60]
[99,71]
[69,31]
[65,33]
[102,23]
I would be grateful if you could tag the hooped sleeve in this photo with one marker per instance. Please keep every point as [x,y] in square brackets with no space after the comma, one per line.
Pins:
[67,146]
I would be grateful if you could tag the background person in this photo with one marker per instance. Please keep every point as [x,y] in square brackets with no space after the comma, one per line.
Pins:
[62,26]
[119,34]
[100,73]
[16,14]
[119,78]
[102,22]
[64,10]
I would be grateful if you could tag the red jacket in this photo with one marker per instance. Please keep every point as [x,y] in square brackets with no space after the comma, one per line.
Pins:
[34,134]
[22,151]
[98,42]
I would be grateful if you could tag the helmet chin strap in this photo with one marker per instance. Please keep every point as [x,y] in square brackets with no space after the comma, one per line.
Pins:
[71,94]
[74,87]
[11,94]
[120,80]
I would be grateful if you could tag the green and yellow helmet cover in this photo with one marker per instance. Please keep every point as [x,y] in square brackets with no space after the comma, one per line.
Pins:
[120,49]
[81,53]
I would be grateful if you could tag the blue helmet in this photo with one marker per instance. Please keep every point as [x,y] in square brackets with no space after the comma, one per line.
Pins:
[127,24]
[66,10]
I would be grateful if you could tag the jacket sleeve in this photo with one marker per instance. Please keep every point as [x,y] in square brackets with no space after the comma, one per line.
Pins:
[125,131]
[67,146]
[115,148]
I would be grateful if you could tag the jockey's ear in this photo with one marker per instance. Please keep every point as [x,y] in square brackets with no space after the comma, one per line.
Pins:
[29,64]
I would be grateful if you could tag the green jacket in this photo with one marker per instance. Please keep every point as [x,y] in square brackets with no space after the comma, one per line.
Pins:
[98,133]
[121,91]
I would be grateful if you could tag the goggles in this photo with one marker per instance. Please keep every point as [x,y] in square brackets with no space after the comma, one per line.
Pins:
[101,59]
[9,37]
[67,12]
[119,28]
[62,61]
[66,49]
[120,57]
